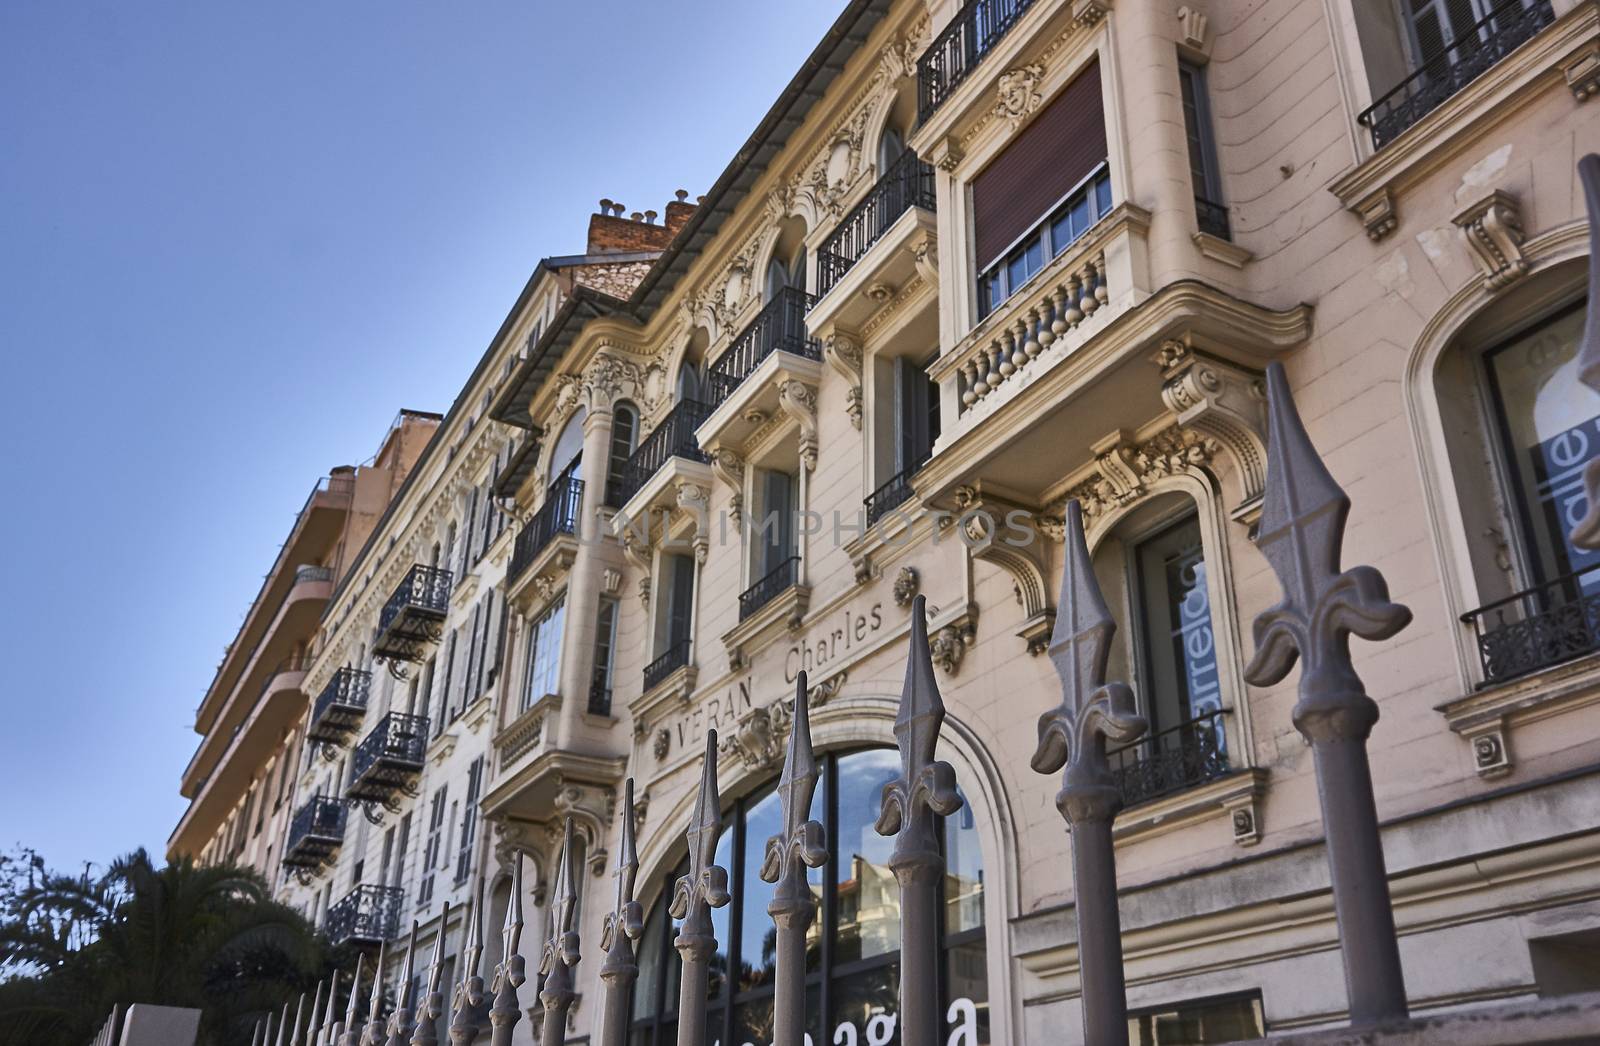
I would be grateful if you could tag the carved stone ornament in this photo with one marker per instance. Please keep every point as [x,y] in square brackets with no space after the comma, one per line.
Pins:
[948,646]
[1193,31]
[1377,213]
[1224,402]
[1123,469]
[1582,73]
[662,744]
[1018,94]
[1087,13]
[799,401]
[844,352]
[1492,227]
[825,691]
[757,739]
[728,467]
[1587,532]
[906,585]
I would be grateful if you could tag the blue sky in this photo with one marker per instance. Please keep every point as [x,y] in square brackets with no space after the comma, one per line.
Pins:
[234,240]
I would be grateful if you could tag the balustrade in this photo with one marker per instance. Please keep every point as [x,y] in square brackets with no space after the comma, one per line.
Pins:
[906,184]
[779,326]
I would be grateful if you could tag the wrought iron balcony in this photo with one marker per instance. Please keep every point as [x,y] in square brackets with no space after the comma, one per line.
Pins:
[340,707]
[672,438]
[1212,218]
[1172,760]
[674,658]
[1538,628]
[785,576]
[779,326]
[413,619]
[366,915]
[1463,60]
[389,760]
[559,515]
[890,495]
[906,184]
[956,52]
[315,834]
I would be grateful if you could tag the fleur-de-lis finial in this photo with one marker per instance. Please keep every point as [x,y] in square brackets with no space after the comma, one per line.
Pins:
[926,786]
[802,843]
[511,968]
[562,944]
[1586,533]
[424,1030]
[472,953]
[706,884]
[627,917]
[1073,735]
[1302,533]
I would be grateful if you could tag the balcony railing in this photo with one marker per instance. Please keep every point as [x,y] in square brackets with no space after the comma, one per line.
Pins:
[312,572]
[600,691]
[908,183]
[389,759]
[782,578]
[414,615]
[316,833]
[956,52]
[780,325]
[1463,60]
[1212,218]
[672,438]
[892,494]
[1543,626]
[366,915]
[340,707]
[1172,760]
[558,516]
[672,659]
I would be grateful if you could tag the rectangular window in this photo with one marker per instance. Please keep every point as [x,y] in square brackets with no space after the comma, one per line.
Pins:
[430,850]
[605,646]
[916,414]
[444,688]
[1230,1019]
[1210,213]
[1084,205]
[544,655]
[469,820]
[780,499]
[1180,648]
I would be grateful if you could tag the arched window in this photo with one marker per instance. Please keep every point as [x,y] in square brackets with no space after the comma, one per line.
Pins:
[890,148]
[853,949]
[624,438]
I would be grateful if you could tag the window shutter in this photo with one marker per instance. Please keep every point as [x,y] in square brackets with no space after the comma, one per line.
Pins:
[1065,141]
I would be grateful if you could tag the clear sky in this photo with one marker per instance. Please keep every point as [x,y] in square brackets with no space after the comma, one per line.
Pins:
[234,240]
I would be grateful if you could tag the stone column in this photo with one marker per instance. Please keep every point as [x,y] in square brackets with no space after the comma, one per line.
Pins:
[584,583]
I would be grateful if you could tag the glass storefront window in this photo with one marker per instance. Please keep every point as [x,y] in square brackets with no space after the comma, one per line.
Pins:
[1199,1023]
[853,951]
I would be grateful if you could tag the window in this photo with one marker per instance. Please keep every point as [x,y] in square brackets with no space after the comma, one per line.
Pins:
[444,686]
[544,655]
[1199,1023]
[605,647]
[430,850]
[776,538]
[1028,202]
[469,820]
[1210,213]
[624,438]
[853,949]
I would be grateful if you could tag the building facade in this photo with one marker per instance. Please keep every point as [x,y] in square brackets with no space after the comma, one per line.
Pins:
[978,260]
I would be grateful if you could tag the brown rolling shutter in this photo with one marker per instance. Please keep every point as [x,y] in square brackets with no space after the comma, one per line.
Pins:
[1064,142]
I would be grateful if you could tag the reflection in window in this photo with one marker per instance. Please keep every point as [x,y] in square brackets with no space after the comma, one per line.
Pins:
[852,951]
[1199,1023]
[544,655]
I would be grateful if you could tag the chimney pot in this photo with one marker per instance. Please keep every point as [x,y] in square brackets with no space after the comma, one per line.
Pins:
[636,217]
[605,206]
[617,209]
[682,195]
[700,199]
[650,217]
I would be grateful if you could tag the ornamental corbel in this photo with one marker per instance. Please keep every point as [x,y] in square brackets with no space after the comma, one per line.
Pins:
[993,533]
[728,467]
[1194,34]
[633,546]
[799,401]
[1376,211]
[1226,403]
[695,500]
[843,351]
[1087,13]
[1492,227]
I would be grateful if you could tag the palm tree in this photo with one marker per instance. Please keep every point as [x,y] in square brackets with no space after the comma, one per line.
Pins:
[207,937]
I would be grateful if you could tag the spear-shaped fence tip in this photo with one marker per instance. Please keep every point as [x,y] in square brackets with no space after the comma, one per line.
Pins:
[314,1025]
[436,966]
[283,1026]
[511,933]
[299,1011]
[916,730]
[355,994]
[562,943]
[331,1016]
[376,1007]
[407,967]
[255,1034]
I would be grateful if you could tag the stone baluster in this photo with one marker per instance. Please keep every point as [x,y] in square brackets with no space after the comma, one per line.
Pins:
[1072,739]
[801,845]
[623,925]
[1003,349]
[992,356]
[512,971]
[560,949]
[431,1004]
[1036,328]
[693,897]
[912,804]
[1302,533]
[400,1019]
[468,1005]
[1586,534]
[969,382]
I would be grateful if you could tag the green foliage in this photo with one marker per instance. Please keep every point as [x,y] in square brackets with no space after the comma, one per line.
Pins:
[206,937]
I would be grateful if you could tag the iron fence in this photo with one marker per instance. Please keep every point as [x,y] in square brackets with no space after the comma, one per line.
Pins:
[1538,627]
[781,578]
[780,325]
[673,437]
[956,52]
[906,184]
[1171,760]
[1463,60]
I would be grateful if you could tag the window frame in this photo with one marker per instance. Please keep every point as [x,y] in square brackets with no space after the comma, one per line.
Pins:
[994,280]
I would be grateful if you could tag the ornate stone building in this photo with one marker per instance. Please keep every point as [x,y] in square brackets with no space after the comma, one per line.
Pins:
[975,261]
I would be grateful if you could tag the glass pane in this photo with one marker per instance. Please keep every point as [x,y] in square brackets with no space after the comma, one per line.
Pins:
[757,934]
[1102,194]
[867,1001]
[721,921]
[1061,233]
[1080,216]
[752,1020]
[1194,1024]
[647,988]
[1182,644]
[967,977]
[1034,256]
[868,898]
[1551,424]
[963,883]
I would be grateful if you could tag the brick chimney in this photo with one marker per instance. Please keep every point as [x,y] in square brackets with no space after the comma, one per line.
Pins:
[610,232]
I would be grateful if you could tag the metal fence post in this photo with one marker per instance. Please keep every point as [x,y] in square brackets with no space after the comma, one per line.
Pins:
[468,1001]
[372,1033]
[1586,533]
[326,1034]
[623,925]
[316,1018]
[425,1031]
[1301,534]
[560,950]
[924,791]
[1073,736]
[400,1019]
[802,844]
[349,1032]
[693,897]
[512,971]
[283,1027]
